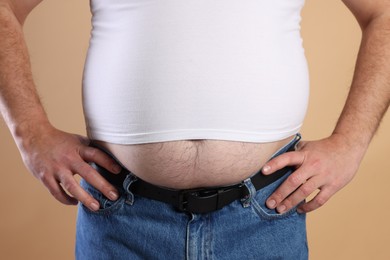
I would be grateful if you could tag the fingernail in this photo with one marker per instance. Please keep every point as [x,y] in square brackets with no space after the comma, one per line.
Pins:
[116,168]
[300,211]
[282,208]
[266,168]
[113,195]
[271,204]
[94,206]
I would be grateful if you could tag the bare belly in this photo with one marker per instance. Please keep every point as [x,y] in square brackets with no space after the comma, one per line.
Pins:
[194,163]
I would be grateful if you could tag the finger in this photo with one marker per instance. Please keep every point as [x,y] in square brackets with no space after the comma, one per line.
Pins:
[299,194]
[90,154]
[96,180]
[296,179]
[286,159]
[319,200]
[70,184]
[58,193]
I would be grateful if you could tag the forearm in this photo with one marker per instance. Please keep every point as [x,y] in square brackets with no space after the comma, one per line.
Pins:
[369,95]
[19,102]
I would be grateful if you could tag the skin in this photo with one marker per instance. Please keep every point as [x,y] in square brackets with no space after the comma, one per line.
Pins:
[327,165]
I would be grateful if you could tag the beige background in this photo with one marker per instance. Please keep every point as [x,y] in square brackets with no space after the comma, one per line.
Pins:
[353,225]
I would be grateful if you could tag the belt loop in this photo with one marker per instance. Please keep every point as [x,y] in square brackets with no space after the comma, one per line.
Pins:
[297,138]
[130,179]
[246,201]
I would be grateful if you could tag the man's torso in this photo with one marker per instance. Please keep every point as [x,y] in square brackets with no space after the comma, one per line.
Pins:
[194,93]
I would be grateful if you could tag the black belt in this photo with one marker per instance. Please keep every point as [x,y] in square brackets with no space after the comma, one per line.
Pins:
[199,200]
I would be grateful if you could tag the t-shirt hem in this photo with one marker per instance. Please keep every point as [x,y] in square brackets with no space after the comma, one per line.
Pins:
[186,134]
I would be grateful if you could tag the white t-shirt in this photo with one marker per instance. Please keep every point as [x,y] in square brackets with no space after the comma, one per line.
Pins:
[162,70]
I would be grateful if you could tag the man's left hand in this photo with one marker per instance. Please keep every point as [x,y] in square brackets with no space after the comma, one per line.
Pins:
[325,166]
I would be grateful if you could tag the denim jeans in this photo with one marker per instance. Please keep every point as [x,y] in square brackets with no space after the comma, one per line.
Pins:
[135,227]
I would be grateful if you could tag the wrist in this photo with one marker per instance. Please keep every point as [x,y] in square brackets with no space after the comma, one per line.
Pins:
[27,131]
[358,139]
[354,145]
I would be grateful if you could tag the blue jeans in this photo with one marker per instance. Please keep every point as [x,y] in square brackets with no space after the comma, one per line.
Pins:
[135,227]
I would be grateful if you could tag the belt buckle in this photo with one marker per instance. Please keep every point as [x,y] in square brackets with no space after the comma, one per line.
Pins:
[186,196]
[205,200]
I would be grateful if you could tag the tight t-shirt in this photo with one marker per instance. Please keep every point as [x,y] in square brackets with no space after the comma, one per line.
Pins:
[163,70]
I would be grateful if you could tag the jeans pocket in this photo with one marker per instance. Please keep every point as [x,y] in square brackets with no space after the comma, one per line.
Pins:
[258,202]
[107,206]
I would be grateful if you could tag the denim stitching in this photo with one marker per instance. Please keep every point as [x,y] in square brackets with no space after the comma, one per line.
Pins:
[130,179]
[246,201]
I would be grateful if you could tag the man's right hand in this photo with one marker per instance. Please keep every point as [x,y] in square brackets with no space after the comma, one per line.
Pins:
[54,157]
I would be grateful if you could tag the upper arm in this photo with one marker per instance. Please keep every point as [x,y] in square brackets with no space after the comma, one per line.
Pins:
[20,8]
[366,10]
